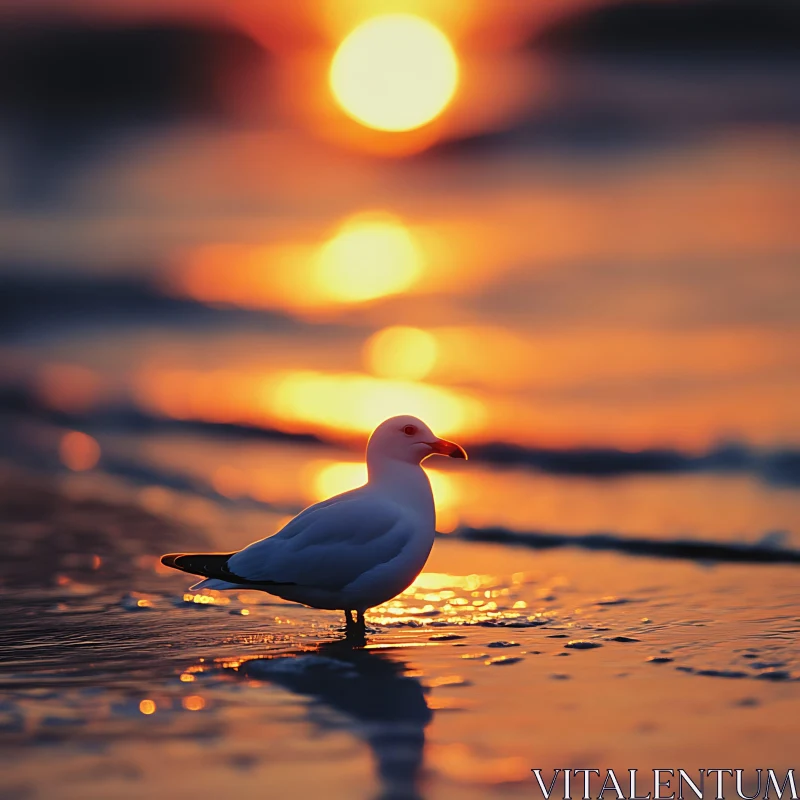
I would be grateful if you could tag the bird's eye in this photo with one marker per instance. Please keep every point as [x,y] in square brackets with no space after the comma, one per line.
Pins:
[409,430]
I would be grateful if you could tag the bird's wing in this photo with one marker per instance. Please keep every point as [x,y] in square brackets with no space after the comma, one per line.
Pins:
[329,545]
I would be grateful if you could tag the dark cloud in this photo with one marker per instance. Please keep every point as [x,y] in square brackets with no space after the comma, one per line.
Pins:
[705,29]
[642,74]
[68,88]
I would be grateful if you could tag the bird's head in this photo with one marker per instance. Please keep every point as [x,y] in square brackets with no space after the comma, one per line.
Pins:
[409,439]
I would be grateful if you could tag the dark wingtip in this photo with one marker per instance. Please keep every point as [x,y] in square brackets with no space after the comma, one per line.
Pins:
[170,560]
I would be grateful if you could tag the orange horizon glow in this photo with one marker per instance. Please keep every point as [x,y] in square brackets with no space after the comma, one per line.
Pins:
[544,410]
[358,403]
[340,404]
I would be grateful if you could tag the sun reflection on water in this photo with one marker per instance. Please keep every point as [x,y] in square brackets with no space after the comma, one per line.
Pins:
[356,402]
[147,707]
[401,352]
[371,255]
[435,600]
[302,400]
[215,599]
[368,255]
[439,599]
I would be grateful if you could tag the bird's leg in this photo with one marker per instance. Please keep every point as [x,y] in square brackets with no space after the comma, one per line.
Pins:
[361,625]
[349,622]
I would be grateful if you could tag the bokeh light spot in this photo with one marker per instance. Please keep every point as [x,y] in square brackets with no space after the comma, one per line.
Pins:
[147,707]
[78,451]
[401,352]
[394,72]
[194,703]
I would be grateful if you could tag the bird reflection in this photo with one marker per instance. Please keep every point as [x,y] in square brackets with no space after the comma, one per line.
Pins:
[373,697]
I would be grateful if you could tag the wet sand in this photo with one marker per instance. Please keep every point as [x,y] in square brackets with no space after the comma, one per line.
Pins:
[119,683]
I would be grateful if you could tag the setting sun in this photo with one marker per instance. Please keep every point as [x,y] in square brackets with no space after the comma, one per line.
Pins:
[394,72]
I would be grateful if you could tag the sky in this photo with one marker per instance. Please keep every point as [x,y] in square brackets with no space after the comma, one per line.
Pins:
[582,234]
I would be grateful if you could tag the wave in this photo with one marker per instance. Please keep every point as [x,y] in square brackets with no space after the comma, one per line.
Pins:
[766,551]
[780,466]
[770,549]
[776,466]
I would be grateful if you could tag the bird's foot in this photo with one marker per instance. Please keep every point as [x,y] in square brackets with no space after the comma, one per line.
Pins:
[355,628]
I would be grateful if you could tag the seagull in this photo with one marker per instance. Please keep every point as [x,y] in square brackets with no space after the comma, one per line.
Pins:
[353,551]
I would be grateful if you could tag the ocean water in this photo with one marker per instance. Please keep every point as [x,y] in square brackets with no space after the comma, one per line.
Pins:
[117,681]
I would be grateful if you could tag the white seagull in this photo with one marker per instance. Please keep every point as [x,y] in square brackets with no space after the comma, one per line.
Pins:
[353,551]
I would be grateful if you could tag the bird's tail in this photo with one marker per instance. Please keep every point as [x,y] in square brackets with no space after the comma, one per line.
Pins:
[214,567]
[209,565]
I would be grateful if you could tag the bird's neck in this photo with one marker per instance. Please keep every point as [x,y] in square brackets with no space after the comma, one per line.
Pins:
[406,484]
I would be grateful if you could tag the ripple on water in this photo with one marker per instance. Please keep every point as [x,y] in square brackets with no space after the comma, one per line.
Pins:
[582,644]
[304,665]
[721,673]
[448,680]
[71,630]
[613,601]
[775,675]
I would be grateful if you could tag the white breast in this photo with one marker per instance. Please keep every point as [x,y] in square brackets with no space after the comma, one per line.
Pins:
[354,551]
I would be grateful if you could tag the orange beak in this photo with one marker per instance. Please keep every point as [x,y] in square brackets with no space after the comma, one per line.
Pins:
[445,448]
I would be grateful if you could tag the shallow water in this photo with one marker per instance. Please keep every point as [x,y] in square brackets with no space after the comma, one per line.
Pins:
[117,682]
